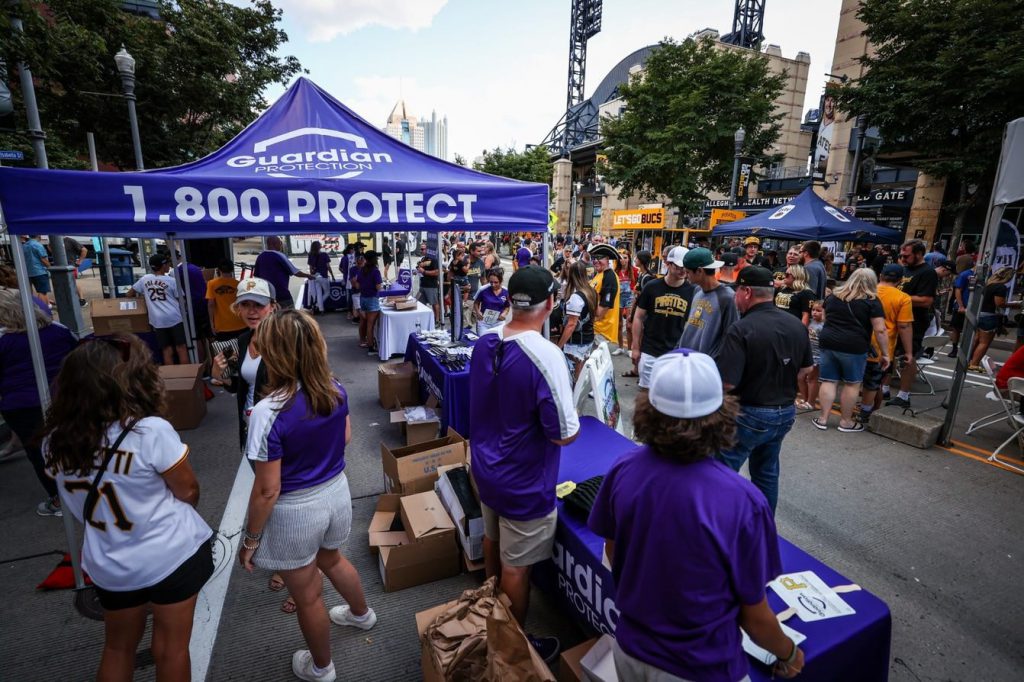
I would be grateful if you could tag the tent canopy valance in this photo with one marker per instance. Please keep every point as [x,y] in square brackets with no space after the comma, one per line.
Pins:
[307,164]
[808,216]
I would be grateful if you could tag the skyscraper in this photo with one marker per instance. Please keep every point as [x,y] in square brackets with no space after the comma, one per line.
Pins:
[430,137]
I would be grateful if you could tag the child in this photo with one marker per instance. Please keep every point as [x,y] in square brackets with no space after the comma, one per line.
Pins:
[161,293]
[809,391]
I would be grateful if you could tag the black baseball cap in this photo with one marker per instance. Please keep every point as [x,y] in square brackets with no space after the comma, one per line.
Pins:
[530,285]
[945,263]
[755,276]
[730,258]
[892,270]
[158,260]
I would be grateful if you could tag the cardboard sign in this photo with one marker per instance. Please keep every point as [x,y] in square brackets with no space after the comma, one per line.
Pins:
[810,596]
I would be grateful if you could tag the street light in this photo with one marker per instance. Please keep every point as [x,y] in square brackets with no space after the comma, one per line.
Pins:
[738,138]
[576,186]
[126,67]
[862,131]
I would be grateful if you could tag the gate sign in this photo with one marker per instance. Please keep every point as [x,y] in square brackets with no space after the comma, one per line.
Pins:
[639,219]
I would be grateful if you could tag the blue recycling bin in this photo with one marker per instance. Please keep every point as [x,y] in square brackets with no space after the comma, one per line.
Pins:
[124,273]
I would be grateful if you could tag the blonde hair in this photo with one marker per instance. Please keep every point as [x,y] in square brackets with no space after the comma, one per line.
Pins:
[295,354]
[799,277]
[12,317]
[862,284]
[1001,276]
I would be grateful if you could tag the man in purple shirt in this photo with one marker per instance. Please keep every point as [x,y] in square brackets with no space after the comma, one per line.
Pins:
[524,254]
[521,414]
[275,267]
[673,515]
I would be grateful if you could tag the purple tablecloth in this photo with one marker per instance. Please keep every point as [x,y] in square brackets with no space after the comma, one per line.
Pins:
[854,648]
[450,388]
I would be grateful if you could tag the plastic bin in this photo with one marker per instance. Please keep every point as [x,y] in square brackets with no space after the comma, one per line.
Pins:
[124,272]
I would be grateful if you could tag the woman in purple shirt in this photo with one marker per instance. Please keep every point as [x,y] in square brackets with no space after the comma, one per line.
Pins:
[724,547]
[491,306]
[19,397]
[300,509]
[369,283]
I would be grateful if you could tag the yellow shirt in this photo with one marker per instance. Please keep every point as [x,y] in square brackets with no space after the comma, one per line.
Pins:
[898,309]
[222,291]
[607,326]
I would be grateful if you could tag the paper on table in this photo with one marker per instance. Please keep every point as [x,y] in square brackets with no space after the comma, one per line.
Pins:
[763,655]
[810,596]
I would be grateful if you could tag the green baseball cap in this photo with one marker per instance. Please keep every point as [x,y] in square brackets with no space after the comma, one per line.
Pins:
[701,259]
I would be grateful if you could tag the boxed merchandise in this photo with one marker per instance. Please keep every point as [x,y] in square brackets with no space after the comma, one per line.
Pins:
[414,540]
[419,423]
[406,304]
[119,316]
[599,663]
[569,668]
[462,503]
[413,469]
[475,637]
[183,386]
[397,381]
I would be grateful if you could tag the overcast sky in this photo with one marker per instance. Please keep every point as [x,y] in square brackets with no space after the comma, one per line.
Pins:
[498,69]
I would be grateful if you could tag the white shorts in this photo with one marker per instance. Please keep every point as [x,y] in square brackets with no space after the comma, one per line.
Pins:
[644,369]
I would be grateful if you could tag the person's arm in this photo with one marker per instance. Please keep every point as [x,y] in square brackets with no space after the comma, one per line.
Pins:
[882,337]
[504,312]
[759,621]
[805,317]
[181,479]
[265,491]
[922,301]
[905,330]
[639,315]
[958,294]
[567,329]
[801,376]
[211,308]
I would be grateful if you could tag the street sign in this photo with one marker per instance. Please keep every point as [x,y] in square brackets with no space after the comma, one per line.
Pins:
[10,155]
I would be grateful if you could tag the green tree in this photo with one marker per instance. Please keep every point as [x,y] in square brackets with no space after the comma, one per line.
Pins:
[945,79]
[533,164]
[201,71]
[675,136]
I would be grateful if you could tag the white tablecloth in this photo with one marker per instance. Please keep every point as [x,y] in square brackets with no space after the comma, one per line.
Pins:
[394,327]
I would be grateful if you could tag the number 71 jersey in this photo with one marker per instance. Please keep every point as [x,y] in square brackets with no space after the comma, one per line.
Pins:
[137,533]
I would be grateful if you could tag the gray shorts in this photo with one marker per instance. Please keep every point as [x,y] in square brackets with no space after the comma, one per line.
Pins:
[644,369]
[523,543]
[629,668]
[430,295]
[304,522]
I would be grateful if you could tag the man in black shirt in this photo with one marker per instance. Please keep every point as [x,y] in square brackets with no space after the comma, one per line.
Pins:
[660,315]
[763,358]
[920,282]
[429,287]
[751,247]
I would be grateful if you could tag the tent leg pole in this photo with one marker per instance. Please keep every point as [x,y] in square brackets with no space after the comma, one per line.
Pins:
[544,253]
[186,306]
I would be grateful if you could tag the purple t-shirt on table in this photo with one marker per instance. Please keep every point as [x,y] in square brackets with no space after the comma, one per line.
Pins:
[523,256]
[275,267]
[701,529]
[311,447]
[515,413]
[492,301]
[368,282]
[17,378]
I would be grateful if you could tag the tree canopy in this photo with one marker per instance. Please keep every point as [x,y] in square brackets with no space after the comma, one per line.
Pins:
[532,164]
[945,79]
[200,75]
[675,135]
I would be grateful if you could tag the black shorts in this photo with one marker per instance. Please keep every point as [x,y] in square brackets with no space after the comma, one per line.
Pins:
[185,581]
[170,336]
[874,377]
[957,322]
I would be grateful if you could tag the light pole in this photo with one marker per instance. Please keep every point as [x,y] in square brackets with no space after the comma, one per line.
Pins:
[738,138]
[576,186]
[862,131]
[126,67]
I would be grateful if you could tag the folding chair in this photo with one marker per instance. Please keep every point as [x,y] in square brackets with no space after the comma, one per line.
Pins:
[1009,407]
[1016,387]
[935,343]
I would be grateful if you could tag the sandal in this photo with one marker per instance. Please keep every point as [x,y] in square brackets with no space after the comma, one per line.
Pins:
[821,425]
[803,405]
[856,428]
[363,344]
[288,606]
[631,374]
[276,583]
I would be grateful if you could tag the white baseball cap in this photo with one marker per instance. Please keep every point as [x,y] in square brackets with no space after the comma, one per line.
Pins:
[685,384]
[676,255]
[255,289]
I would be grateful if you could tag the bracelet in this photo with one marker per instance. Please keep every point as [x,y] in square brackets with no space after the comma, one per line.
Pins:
[252,536]
[792,655]
[253,547]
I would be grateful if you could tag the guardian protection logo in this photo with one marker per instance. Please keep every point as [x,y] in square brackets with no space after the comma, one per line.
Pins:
[331,155]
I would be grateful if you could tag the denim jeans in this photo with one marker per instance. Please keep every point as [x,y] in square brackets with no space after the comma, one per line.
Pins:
[759,434]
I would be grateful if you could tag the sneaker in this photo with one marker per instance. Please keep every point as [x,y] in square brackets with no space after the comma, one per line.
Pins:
[302,666]
[342,615]
[49,508]
[547,648]
[618,351]
[928,353]
[863,417]
[952,353]
[898,402]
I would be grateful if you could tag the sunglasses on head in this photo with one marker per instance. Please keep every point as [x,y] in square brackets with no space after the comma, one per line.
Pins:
[121,345]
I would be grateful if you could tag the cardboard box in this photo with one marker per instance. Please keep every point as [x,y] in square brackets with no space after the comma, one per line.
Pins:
[396,381]
[569,668]
[469,531]
[119,316]
[419,430]
[407,304]
[413,469]
[599,664]
[421,553]
[186,404]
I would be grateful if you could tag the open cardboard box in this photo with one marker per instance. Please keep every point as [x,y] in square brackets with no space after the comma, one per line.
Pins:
[599,663]
[413,469]
[186,402]
[421,553]
[119,316]
[418,431]
[470,531]
[397,381]
[569,667]
[406,304]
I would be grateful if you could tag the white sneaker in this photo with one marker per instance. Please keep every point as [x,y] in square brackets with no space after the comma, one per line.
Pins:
[342,615]
[48,508]
[302,666]
[618,351]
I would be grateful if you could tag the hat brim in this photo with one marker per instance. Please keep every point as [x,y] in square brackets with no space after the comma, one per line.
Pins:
[258,298]
[603,251]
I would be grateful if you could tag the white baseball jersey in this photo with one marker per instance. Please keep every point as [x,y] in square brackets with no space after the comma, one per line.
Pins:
[138,533]
[161,293]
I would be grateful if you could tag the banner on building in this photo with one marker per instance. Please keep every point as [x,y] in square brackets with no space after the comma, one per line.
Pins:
[720,216]
[639,219]
[826,128]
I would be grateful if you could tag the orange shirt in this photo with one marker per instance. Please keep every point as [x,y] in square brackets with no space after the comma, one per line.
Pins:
[222,291]
[898,309]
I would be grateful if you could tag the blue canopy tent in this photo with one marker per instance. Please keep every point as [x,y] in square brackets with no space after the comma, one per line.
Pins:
[808,216]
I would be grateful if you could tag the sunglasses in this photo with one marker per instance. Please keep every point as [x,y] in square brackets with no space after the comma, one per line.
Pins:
[121,345]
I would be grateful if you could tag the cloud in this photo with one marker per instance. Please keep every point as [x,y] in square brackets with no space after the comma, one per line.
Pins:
[325,20]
